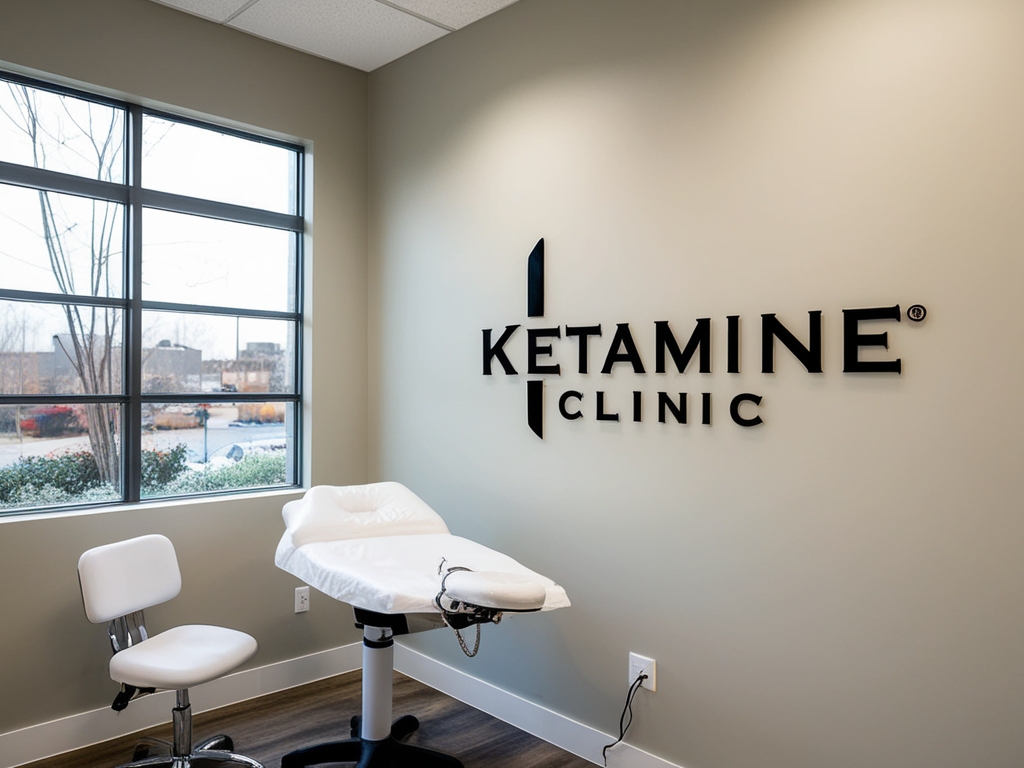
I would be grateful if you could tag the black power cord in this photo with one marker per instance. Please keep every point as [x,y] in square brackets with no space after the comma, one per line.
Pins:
[623,723]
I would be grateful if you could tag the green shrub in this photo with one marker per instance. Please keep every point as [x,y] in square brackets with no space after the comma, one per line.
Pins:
[253,471]
[71,478]
[161,467]
[71,474]
[49,496]
[74,478]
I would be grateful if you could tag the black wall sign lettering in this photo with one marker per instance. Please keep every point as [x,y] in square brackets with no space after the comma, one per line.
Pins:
[563,405]
[734,343]
[498,351]
[601,415]
[665,341]
[584,332]
[853,340]
[809,356]
[629,353]
[734,409]
[665,403]
[542,357]
[535,350]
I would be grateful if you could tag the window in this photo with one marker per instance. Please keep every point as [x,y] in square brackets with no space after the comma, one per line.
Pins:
[150,303]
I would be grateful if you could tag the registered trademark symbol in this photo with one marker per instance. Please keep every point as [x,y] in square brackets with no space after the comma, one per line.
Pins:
[917,313]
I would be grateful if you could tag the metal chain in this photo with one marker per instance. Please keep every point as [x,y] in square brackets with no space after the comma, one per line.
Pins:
[479,613]
[462,642]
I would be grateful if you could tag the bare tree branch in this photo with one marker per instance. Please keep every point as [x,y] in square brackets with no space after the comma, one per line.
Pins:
[92,331]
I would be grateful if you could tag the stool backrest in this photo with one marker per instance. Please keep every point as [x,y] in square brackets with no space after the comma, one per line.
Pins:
[127,576]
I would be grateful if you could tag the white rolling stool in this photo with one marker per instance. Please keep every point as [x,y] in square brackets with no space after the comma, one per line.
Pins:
[118,581]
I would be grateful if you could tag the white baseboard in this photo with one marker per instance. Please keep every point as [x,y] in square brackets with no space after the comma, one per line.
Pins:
[552,727]
[75,731]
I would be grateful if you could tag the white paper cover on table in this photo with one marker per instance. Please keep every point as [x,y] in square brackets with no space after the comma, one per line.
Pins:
[379,546]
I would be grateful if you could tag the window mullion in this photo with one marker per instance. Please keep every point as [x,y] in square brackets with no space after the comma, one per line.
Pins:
[61,183]
[200,309]
[132,430]
[168,201]
[48,297]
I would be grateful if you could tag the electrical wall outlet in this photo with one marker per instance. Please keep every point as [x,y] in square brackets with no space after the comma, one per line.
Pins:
[301,599]
[642,665]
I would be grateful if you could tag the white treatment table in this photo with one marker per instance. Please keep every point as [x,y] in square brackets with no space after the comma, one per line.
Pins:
[384,551]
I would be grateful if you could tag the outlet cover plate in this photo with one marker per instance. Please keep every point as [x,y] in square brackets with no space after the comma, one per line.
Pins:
[647,666]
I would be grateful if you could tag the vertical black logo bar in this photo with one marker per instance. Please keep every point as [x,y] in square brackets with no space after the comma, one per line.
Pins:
[535,281]
[535,308]
[535,406]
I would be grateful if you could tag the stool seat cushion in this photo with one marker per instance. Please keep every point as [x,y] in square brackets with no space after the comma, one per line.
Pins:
[182,657]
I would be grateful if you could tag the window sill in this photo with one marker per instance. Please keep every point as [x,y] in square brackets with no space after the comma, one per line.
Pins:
[30,515]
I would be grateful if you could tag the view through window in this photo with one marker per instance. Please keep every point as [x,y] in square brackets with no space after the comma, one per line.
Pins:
[150,307]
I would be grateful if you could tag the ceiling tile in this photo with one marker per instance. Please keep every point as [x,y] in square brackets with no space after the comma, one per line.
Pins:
[218,10]
[364,34]
[452,14]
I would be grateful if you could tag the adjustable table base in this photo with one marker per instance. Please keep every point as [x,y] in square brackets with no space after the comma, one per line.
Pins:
[387,753]
[378,745]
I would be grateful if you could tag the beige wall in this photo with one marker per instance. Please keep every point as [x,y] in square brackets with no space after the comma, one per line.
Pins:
[54,660]
[840,587]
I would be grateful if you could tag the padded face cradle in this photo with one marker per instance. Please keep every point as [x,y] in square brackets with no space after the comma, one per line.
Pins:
[503,591]
[182,657]
[329,513]
[128,576]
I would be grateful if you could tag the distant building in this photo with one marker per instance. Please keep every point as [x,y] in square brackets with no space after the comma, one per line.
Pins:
[65,359]
[29,373]
[259,368]
[171,367]
[166,368]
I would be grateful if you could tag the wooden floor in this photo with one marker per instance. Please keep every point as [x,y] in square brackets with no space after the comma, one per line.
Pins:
[271,726]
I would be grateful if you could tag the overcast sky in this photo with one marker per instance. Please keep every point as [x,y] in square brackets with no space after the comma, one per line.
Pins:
[185,258]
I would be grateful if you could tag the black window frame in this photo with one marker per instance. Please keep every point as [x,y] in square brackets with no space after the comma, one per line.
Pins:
[136,198]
